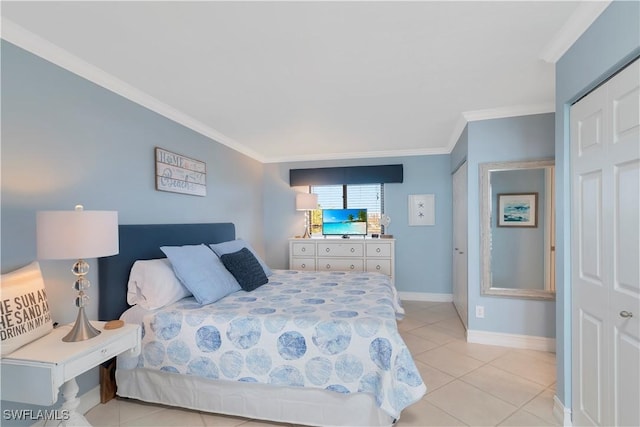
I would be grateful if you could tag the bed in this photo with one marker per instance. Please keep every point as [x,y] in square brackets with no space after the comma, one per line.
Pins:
[311,348]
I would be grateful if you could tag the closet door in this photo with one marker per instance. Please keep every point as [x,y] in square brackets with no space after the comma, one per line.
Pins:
[605,164]
[460,287]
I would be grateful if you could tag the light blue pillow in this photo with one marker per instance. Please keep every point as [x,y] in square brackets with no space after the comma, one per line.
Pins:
[202,272]
[234,246]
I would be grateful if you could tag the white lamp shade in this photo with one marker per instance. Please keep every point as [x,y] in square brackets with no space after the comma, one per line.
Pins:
[76,234]
[306,201]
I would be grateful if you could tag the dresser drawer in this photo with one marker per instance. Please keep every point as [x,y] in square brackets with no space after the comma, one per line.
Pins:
[303,249]
[382,250]
[340,249]
[379,265]
[303,264]
[330,264]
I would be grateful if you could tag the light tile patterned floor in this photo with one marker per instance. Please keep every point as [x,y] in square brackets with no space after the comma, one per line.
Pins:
[468,384]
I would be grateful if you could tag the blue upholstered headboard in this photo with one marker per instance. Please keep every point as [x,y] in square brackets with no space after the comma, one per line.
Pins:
[143,242]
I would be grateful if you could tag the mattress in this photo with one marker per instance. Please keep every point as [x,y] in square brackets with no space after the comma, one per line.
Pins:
[333,332]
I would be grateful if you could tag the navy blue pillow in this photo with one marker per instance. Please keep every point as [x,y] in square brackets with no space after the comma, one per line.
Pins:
[247,270]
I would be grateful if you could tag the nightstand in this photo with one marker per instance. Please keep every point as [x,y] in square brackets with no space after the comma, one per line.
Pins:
[34,373]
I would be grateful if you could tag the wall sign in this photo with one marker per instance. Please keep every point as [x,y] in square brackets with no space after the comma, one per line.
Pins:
[422,209]
[180,174]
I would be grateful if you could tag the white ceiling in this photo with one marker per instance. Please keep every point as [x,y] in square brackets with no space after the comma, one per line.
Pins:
[283,81]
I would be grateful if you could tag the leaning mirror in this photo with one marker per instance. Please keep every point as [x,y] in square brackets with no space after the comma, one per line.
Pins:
[517,229]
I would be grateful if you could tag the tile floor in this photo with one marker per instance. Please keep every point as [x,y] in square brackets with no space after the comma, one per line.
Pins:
[468,384]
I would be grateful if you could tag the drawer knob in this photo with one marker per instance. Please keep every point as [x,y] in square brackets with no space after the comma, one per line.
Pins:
[353,266]
[378,250]
[328,250]
[353,249]
[304,266]
[328,266]
[303,249]
[377,267]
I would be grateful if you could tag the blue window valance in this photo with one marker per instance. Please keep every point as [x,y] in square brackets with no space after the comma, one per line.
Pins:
[381,174]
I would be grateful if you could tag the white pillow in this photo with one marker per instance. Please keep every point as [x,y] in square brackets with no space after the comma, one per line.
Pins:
[153,284]
[24,309]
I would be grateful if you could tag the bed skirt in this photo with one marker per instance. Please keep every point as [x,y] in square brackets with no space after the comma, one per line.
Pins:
[307,406]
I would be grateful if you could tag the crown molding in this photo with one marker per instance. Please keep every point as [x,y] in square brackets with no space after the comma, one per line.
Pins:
[495,113]
[358,155]
[576,25]
[30,42]
[512,111]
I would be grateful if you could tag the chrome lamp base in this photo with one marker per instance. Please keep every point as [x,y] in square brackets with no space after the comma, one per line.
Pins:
[82,329]
[307,224]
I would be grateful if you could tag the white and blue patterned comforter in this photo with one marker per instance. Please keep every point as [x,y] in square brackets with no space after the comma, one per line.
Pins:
[331,330]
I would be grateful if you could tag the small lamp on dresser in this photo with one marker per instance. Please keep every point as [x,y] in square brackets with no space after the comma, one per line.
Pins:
[306,202]
[78,234]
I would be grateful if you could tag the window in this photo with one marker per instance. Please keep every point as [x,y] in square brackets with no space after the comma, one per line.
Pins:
[369,196]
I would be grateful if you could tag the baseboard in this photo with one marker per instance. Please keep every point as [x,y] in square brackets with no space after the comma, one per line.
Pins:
[512,340]
[562,414]
[423,296]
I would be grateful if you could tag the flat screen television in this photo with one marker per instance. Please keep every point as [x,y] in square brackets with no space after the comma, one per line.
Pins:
[344,222]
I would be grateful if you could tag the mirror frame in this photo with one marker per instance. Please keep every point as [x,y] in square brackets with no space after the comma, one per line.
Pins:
[486,287]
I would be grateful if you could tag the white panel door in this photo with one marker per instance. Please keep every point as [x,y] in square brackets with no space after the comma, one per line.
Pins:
[624,102]
[605,163]
[460,287]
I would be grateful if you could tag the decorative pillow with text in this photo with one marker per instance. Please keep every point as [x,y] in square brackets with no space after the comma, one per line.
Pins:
[24,310]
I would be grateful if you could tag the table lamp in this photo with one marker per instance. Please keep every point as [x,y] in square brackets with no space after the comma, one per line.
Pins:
[306,202]
[77,234]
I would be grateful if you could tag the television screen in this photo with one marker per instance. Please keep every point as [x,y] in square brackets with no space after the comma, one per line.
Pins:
[344,222]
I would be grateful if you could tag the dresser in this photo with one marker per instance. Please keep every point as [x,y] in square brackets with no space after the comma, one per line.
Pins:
[354,254]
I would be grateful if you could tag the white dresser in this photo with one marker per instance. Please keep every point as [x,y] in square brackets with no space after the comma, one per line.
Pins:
[354,254]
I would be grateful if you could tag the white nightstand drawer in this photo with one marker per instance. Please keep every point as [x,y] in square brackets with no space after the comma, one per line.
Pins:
[93,358]
[303,249]
[303,264]
[382,250]
[329,264]
[379,265]
[30,383]
[340,249]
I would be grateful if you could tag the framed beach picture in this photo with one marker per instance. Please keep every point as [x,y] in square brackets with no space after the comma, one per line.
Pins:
[518,210]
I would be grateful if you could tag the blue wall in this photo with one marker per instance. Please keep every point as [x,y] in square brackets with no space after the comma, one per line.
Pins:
[460,150]
[66,140]
[611,42]
[509,139]
[423,254]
